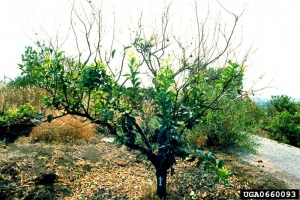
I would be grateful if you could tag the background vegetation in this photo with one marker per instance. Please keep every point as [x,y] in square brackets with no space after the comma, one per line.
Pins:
[190,101]
[283,120]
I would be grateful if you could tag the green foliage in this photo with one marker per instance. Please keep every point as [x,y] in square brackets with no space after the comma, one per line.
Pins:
[88,90]
[213,164]
[19,81]
[17,92]
[284,120]
[12,115]
[231,119]
[285,127]
[230,125]
[69,83]
[280,104]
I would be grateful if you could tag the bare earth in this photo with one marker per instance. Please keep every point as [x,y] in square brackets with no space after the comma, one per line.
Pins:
[35,170]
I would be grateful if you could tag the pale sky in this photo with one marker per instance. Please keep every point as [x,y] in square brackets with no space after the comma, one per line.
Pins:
[272,26]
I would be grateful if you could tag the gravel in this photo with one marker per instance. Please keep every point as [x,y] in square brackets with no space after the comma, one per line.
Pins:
[276,158]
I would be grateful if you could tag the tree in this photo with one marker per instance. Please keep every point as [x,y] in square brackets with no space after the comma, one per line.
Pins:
[280,104]
[284,119]
[178,91]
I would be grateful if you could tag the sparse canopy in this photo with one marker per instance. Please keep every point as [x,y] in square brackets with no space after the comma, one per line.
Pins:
[177,95]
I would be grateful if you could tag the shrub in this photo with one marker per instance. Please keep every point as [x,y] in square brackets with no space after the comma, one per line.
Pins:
[285,127]
[12,115]
[19,81]
[284,120]
[280,104]
[229,126]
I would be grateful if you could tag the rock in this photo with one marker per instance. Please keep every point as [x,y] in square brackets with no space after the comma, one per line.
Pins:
[108,139]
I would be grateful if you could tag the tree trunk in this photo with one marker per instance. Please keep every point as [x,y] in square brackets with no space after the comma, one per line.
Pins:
[161,176]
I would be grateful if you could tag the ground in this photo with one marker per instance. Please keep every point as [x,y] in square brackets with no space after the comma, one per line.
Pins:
[100,170]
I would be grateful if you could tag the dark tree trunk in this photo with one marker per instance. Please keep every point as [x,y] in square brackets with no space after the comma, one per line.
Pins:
[161,176]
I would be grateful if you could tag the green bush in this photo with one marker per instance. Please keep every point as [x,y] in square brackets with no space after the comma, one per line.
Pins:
[232,125]
[12,115]
[284,120]
[19,81]
[285,127]
[280,104]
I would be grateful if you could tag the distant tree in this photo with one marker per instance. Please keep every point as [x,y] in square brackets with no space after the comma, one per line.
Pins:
[284,120]
[280,104]
[19,81]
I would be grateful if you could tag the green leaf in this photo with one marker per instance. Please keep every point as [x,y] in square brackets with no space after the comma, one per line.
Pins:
[209,155]
[217,180]
[49,118]
[60,53]
[214,161]
[113,53]
[135,114]
[159,116]
[206,166]
[221,164]
[175,150]
[127,47]
[200,153]
[21,66]
[132,61]
[137,84]
[138,156]
[226,183]
[127,75]
[162,128]
[200,161]
[168,133]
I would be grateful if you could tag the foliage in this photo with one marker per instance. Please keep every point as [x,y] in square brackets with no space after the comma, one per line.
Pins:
[232,118]
[232,124]
[89,91]
[284,120]
[280,104]
[12,115]
[14,94]
[19,81]
[285,127]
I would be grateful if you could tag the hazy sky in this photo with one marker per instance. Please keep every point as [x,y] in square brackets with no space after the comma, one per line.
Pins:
[272,26]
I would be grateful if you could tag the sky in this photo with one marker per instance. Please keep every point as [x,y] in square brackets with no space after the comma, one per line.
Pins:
[271,27]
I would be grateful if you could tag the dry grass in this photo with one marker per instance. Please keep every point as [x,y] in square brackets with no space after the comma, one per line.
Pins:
[149,191]
[61,130]
[65,129]
[196,138]
[14,97]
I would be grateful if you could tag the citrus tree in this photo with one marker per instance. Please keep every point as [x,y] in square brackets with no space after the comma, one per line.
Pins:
[178,92]
[89,91]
